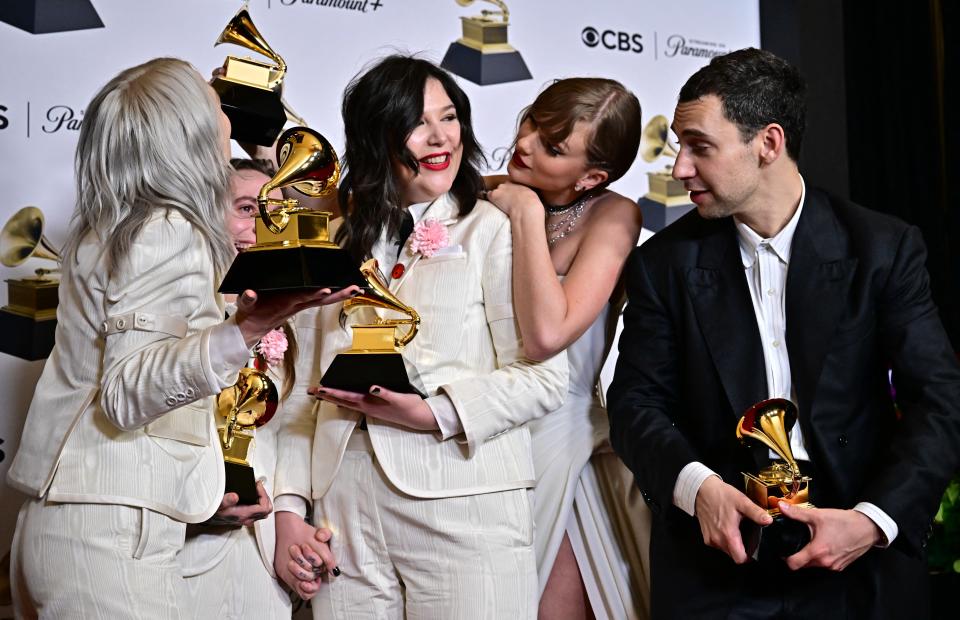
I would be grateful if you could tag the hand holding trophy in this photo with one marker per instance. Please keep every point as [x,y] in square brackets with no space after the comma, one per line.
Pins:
[376,356]
[769,422]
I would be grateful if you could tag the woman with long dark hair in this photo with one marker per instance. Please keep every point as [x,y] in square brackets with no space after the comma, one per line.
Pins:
[572,237]
[427,498]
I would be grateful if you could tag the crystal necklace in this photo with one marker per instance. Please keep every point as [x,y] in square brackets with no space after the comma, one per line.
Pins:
[569,216]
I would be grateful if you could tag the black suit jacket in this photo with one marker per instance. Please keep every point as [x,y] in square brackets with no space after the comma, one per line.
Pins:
[690,363]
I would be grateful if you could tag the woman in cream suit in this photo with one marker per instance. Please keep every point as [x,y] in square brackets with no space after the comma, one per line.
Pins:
[119,453]
[427,499]
[572,237]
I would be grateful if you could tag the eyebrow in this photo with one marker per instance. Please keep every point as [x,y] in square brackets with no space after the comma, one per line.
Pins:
[696,133]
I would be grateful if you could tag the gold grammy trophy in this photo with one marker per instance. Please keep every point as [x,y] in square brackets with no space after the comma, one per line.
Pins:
[293,249]
[376,357]
[245,405]
[666,200]
[250,89]
[483,55]
[29,319]
[769,422]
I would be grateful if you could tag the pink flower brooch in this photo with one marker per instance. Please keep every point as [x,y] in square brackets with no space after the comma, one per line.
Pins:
[272,346]
[428,237]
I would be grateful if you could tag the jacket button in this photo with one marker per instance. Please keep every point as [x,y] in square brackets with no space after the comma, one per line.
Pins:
[181,397]
[171,401]
[842,440]
[189,392]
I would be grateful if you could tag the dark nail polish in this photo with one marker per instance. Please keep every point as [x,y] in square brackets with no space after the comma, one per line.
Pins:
[375,390]
[336,571]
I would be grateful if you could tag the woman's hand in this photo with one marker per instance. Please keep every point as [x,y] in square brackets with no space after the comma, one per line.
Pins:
[509,197]
[258,314]
[302,557]
[408,410]
[231,512]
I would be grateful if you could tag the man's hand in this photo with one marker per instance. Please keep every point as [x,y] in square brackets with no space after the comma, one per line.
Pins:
[302,555]
[837,537]
[258,314]
[720,508]
[404,409]
[232,513]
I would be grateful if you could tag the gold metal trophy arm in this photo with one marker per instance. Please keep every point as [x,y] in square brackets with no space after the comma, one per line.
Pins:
[379,296]
[486,14]
[309,164]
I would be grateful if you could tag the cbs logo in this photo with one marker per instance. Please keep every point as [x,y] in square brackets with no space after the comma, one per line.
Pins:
[612,39]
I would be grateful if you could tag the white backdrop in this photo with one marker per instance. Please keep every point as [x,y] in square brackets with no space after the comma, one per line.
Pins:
[650,46]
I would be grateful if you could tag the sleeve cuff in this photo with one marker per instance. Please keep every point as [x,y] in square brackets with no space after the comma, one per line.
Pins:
[227,352]
[882,520]
[289,502]
[688,485]
[446,415]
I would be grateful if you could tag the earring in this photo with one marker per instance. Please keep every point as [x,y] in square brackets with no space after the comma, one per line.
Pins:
[578,188]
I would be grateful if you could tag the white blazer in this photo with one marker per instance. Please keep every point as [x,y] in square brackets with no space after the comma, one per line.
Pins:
[468,348]
[123,412]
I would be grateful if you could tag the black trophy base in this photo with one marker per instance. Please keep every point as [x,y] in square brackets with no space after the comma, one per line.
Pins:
[256,115]
[484,69]
[240,480]
[290,269]
[657,216]
[356,372]
[26,338]
[779,540]
[43,16]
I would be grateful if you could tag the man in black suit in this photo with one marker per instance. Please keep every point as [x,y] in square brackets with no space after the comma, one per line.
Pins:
[773,289]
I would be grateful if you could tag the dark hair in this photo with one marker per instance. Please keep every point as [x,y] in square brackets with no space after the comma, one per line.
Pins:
[612,111]
[263,166]
[381,108]
[756,88]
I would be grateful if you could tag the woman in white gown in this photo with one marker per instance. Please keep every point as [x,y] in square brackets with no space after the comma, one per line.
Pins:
[571,239]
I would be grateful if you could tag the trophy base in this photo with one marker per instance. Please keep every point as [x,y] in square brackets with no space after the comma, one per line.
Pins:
[256,115]
[356,372]
[658,215]
[485,69]
[290,269]
[26,337]
[780,539]
[43,16]
[240,480]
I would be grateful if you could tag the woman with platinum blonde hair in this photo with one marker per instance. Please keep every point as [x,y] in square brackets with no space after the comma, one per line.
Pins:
[119,451]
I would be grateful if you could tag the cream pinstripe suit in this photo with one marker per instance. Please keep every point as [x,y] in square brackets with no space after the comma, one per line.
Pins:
[122,416]
[468,348]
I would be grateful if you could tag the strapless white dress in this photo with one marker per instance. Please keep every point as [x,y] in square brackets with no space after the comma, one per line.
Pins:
[585,491]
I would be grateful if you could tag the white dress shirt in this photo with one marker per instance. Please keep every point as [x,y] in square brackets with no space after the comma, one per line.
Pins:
[765,263]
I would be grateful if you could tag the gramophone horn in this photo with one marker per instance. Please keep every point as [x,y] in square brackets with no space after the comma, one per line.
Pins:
[769,422]
[378,295]
[22,237]
[654,142]
[308,163]
[241,31]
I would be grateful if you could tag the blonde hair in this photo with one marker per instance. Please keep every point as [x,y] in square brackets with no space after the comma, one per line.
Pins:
[151,139]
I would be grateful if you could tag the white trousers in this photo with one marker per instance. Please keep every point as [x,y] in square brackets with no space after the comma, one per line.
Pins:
[88,561]
[402,557]
[239,586]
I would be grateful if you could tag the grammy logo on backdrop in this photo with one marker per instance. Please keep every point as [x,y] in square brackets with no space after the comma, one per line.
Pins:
[482,55]
[43,16]
[666,201]
[29,319]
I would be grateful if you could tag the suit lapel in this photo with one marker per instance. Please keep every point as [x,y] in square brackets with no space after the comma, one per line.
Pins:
[721,300]
[444,209]
[818,278]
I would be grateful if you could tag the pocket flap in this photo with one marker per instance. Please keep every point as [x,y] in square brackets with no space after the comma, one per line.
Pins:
[189,424]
